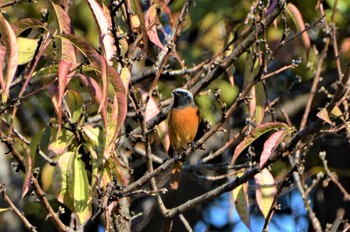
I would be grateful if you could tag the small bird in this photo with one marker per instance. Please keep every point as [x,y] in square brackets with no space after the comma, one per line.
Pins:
[183,124]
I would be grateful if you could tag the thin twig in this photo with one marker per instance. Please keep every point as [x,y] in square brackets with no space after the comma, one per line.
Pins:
[185,222]
[333,176]
[19,214]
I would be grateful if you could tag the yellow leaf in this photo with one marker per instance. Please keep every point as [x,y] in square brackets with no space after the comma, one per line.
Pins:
[82,201]
[135,21]
[26,49]
[265,191]
[4,209]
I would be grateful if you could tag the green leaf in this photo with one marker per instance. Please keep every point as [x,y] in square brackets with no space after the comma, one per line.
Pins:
[74,101]
[59,143]
[260,101]
[91,134]
[26,49]
[82,201]
[82,45]
[34,144]
[63,178]
[241,201]
[255,134]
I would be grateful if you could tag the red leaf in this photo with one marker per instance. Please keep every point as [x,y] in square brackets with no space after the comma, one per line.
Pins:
[93,88]
[271,144]
[151,25]
[22,25]
[8,38]
[299,22]
[118,85]
[2,61]
[67,50]
[104,25]
[103,68]
[63,70]
[152,110]
[27,178]
[254,134]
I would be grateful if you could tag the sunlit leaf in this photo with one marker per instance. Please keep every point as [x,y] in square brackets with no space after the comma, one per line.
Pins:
[135,21]
[151,25]
[2,210]
[60,140]
[299,22]
[64,179]
[271,144]
[256,133]
[91,134]
[260,101]
[323,114]
[8,38]
[126,76]
[82,45]
[241,201]
[47,174]
[265,190]
[26,49]
[82,201]
[336,112]
[152,110]
[327,117]
[67,51]
[104,25]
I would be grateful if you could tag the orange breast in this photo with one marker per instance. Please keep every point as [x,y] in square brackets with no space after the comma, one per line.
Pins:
[183,126]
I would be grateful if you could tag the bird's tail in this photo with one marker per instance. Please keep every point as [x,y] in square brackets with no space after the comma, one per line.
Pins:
[175,175]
